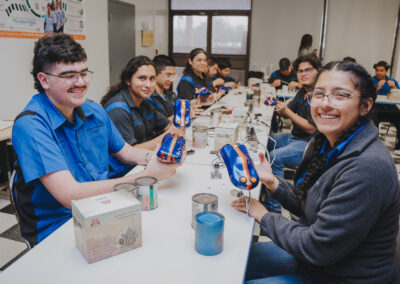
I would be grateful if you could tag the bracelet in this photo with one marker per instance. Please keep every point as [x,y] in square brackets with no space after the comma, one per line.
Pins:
[146,157]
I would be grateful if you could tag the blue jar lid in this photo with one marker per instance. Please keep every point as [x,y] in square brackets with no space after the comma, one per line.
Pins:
[209,218]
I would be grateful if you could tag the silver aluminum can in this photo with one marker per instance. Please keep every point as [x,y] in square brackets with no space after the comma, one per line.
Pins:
[202,202]
[147,188]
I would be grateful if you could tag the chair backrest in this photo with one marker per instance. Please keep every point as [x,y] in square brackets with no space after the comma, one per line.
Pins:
[12,201]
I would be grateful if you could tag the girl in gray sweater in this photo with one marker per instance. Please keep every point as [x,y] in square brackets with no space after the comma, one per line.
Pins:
[345,192]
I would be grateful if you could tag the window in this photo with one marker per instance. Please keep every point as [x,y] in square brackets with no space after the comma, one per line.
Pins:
[189,32]
[229,35]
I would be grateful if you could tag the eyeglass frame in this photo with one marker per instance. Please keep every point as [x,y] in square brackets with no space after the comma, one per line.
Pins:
[76,78]
[310,95]
[305,71]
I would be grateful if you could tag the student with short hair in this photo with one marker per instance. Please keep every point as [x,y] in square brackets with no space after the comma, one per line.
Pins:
[62,141]
[163,98]
[224,70]
[284,76]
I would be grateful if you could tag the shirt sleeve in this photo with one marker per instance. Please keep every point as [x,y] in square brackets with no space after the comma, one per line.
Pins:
[161,121]
[115,140]
[37,150]
[123,122]
[185,90]
[271,78]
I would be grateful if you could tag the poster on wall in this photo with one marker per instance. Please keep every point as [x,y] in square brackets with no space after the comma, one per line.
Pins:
[35,18]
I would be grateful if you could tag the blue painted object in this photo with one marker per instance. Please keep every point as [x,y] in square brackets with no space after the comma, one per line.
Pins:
[171,148]
[209,238]
[224,88]
[270,101]
[202,92]
[182,114]
[240,166]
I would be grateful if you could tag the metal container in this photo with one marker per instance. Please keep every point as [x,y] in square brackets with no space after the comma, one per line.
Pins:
[200,136]
[147,192]
[127,186]
[202,202]
[209,237]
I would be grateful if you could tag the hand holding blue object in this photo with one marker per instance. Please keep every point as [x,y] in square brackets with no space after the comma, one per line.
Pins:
[240,166]
[202,92]
[182,114]
[171,149]
[270,101]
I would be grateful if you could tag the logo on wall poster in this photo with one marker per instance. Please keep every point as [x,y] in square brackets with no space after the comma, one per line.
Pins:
[34,18]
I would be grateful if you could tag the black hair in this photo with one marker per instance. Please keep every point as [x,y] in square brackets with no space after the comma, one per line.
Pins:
[51,49]
[306,42]
[211,61]
[284,64]
[315,161]
[223,63]
[310,58]
[130,69]
[160,62]
[349,59]
[382,64]
[192,55]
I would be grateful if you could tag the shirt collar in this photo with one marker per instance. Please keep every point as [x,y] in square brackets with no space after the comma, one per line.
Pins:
[57,118]
[128,98]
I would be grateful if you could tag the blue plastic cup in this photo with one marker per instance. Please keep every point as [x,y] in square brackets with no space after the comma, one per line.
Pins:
[209,238]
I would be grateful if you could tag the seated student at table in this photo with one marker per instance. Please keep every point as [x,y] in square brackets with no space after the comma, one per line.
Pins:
[163,98]
[346,193]
[284,76]
[386,112]
[138,121]
[62,141]
[212,73]
[224,70]
[194,75]
[289,148]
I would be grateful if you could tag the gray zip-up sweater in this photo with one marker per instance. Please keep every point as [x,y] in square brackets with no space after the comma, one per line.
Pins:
[349,219]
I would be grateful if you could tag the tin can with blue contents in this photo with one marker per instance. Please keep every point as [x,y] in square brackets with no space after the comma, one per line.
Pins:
[209,236]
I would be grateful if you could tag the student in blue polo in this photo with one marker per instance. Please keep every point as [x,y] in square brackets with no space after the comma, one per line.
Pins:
[163,98]
[62,141]
[194,75]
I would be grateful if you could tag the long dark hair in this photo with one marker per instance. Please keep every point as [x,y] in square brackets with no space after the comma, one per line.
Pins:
[316,161]
[306,42]
[130,69]
[192,55]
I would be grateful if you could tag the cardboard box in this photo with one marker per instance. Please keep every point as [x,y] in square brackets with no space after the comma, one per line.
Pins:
[106,225]
[394,95]
[225,133]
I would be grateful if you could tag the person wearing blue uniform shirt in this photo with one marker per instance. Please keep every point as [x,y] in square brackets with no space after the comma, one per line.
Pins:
[284,76]
[384,112]
[194,76]
[286,149]
[224,70]
[62,141]
[163,98]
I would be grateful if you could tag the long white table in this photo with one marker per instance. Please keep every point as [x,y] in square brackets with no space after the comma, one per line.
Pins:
[167,254]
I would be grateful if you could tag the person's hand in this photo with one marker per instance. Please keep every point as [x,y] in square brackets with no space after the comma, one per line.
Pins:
[231,84]
[176,130]
[257,210]
[380,84]
[195,110]
[391,84]
[294,84]
[158,169]
[218,82]
[280,107]
[276,83]
[265,174]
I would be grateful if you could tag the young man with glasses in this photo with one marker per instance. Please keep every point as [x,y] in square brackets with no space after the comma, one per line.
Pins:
[62,141]
[384,112]
[286,149]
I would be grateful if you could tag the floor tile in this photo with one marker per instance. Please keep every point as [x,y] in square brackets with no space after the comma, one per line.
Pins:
[13,233]
[9,250]
[6,221]
[4,203]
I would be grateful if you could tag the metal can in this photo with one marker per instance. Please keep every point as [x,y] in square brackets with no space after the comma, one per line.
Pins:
[147,192]
[127,186]
[203,202]
[209,237]
[200,136]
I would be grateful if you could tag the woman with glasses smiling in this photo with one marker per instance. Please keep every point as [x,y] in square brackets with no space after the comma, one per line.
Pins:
[345,192]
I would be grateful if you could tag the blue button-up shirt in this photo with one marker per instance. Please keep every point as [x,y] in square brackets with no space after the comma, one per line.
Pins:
[385,88]
[47,142]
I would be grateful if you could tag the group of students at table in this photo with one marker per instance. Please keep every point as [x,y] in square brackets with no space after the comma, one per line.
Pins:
[345,192]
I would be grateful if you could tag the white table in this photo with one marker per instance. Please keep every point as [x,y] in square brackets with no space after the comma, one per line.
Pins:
[167,254]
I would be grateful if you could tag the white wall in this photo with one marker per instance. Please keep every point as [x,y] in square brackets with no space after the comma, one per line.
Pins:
[277,27]
[16,54]
[363,29]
